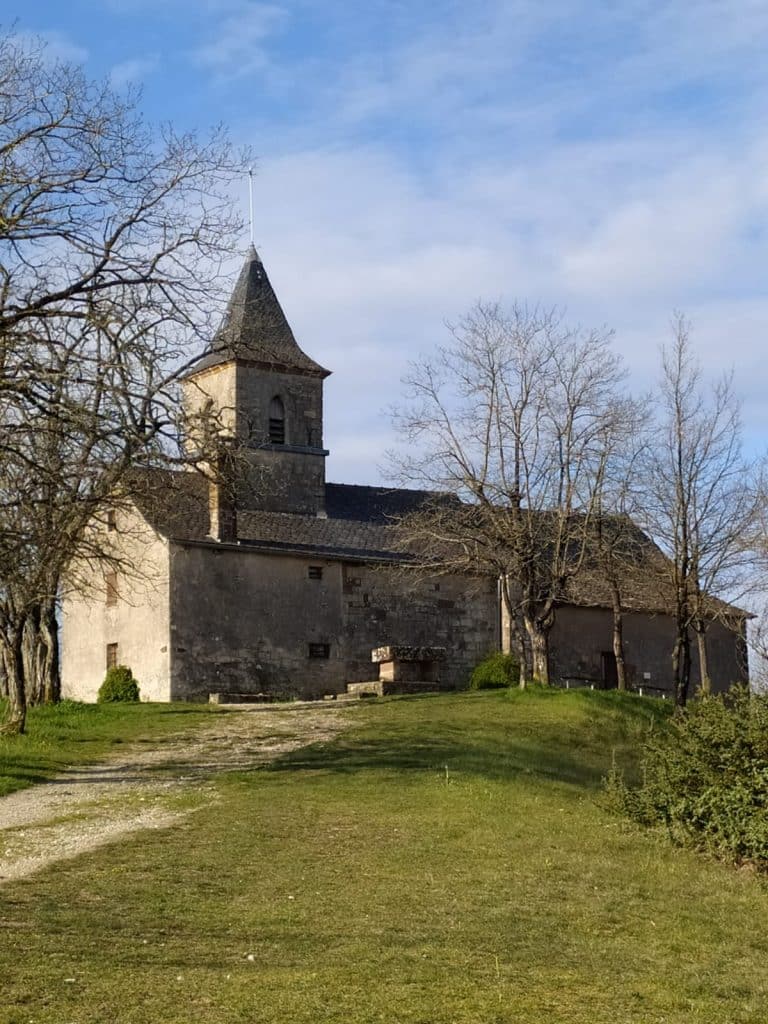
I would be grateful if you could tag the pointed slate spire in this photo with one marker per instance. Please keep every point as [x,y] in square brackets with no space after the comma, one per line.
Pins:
[255,329]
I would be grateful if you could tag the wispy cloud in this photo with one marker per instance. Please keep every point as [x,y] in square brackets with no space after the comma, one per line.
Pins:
[551,67]
[370,263]
[609,158]
[57,46]
[132,71]
[239,35]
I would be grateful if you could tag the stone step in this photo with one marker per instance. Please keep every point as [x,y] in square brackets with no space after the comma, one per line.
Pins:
[240,698]
[375,688]
[385,687]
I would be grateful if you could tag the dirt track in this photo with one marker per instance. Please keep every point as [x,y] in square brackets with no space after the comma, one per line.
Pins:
[90,806]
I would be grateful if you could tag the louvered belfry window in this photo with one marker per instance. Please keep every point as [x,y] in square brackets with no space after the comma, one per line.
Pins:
[277,421]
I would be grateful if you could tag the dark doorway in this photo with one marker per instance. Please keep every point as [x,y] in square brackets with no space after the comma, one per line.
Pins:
[610,677]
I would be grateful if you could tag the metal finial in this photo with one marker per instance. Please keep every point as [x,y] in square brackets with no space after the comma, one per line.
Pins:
[250,200]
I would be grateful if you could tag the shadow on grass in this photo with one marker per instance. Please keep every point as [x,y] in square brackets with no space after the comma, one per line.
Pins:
[62,738]
[557,735]
[19,778]
[570,737]
[494,763]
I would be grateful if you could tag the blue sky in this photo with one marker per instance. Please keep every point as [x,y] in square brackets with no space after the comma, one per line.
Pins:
[414,157]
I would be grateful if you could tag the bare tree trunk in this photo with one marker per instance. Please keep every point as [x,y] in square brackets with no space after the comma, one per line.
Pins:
[51,668]
[676,655]
[681,666]
[522,656]
[618,639]
[686,666]
[516,634]
[30,656]
[29,649]
[705,683]
[13,662]
[522,650]
[539,638]
[3,677]
[40,654]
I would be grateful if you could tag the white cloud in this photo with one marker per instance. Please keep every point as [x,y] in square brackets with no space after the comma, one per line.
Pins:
[369,263]
[237,46]
[133,71]
[606,158]
[57,46]
[672,235]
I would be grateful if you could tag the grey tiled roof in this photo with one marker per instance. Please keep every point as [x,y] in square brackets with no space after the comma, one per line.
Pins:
[176,505]
[360,525]
[255,328]
[378,504]
[339,537]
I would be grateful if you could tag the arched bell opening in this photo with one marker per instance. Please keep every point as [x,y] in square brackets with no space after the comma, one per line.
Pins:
[277,421]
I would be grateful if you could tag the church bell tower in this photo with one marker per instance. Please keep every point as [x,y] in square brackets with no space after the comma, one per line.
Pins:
[267,397]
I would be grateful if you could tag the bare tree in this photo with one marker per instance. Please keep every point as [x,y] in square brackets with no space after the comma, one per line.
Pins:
[614,554]
[701,501]
[616,547]
[516,417]
[112,236]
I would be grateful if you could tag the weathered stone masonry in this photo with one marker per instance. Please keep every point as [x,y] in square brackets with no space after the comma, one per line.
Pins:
[259,640]
[286,586]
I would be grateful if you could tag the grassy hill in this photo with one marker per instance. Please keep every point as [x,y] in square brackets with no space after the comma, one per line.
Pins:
[446,861]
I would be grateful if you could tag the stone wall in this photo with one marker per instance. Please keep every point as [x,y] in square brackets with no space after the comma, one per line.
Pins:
[286,477]
[280,479]
[241,394]
[246,621]
[137,621]
[216,387]
[382,607]
[581,636]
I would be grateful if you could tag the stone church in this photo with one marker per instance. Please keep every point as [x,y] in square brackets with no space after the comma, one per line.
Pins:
[287,587]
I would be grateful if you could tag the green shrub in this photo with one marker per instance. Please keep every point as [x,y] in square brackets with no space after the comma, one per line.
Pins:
[119,687]
[705,778]
[495,671]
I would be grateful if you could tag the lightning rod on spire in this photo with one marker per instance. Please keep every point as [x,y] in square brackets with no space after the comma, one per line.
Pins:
[250,200]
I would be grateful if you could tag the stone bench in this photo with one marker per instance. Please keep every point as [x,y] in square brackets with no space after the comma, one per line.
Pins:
[408,664]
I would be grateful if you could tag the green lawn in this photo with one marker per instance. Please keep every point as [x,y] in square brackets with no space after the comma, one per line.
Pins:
[446,861]
[73,733]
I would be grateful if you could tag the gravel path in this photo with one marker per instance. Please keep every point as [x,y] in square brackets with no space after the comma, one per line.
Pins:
[90,806]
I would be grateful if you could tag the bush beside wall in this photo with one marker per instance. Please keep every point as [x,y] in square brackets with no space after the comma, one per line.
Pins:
[119,687]
[495,671]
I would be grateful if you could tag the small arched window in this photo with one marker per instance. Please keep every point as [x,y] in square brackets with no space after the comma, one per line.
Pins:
[277,421]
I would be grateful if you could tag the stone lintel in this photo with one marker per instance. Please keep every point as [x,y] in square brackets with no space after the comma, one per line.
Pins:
[392,652]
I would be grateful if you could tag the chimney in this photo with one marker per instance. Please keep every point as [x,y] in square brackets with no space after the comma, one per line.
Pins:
[222,511]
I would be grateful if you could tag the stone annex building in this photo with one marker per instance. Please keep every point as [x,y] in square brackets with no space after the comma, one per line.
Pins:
[286,591]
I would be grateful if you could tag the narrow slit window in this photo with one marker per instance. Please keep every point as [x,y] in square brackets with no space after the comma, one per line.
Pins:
[111,656]
[315,572]
[111,520]
[277,421]
[319,651]
[110,584]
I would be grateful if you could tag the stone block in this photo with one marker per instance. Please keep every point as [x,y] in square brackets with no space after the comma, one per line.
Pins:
[403,652]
